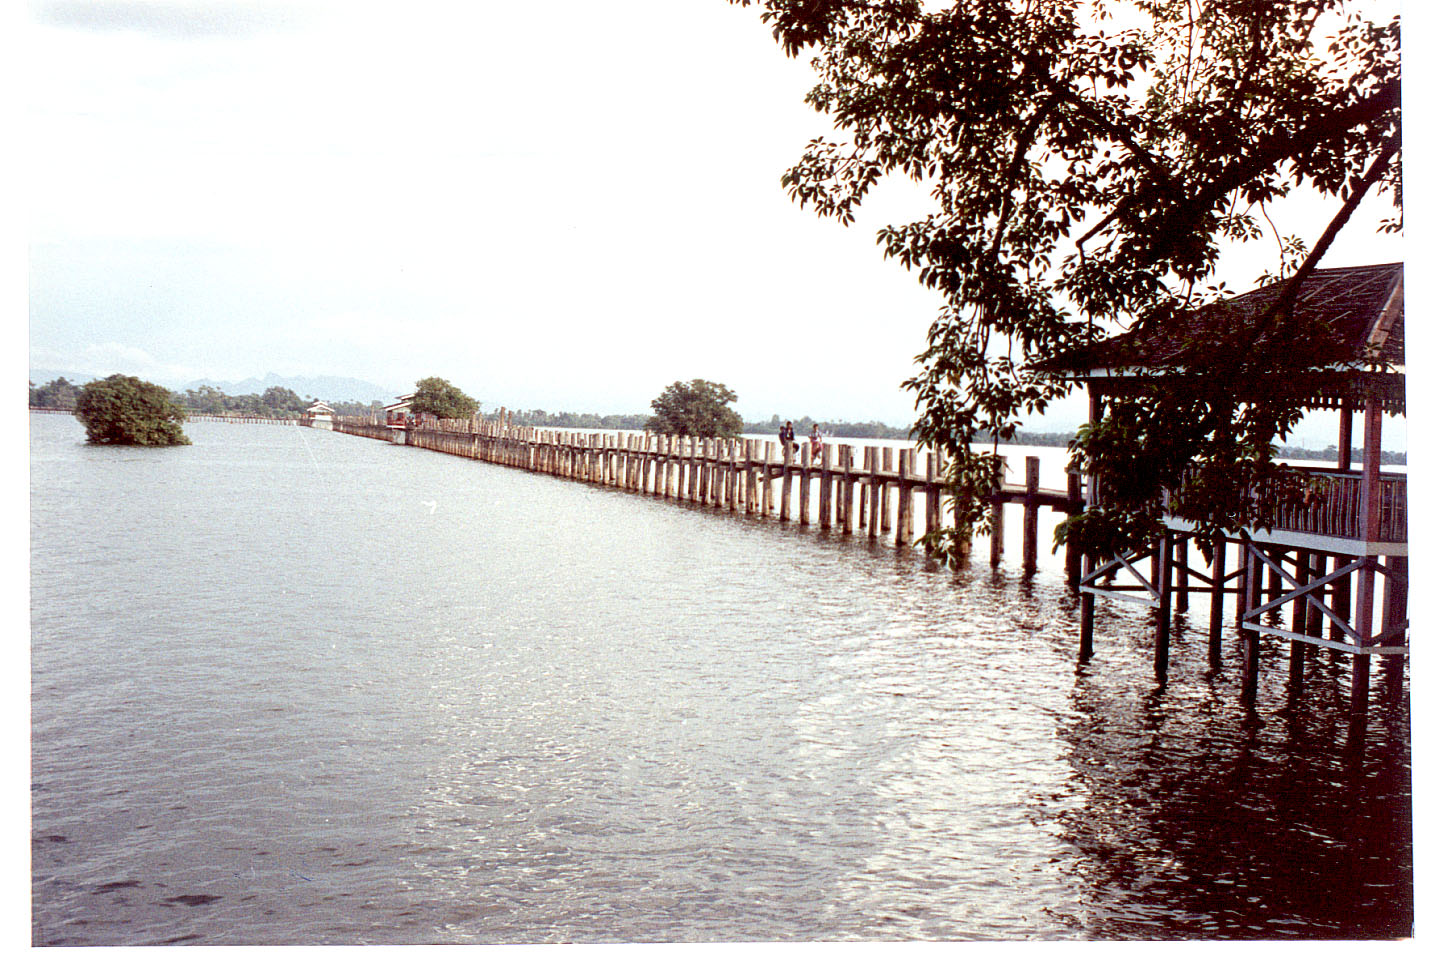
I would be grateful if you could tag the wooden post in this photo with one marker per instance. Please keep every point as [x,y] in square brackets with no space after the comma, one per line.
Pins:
[887,465]
[1217,600]
[847,490]
[1346,441]
[904,501]
[1182,575]
[825,478]
[692,472]
[1370,532]
[1072,552]
[932,499]
[875,509]
[1165,550]
[1314,619]
[1395,610]
[997,518]
[716,467]
[1250,672]
[672,467]
[734,488]
[863,522]
[805,485]
[767,498]
[786,450]
[1030,544]
[696,483]
[1298,619]
[665,466]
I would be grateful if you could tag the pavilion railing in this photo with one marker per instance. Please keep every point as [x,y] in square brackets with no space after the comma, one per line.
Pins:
[1333,507]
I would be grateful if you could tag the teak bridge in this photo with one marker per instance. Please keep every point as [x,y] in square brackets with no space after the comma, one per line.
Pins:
[875,491]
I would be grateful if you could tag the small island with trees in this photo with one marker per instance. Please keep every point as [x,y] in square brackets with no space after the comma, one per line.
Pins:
[130,411]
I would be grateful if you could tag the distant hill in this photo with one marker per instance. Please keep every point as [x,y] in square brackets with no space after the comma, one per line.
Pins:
[330,389]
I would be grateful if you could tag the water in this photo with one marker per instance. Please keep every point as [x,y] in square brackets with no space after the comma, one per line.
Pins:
[297,687]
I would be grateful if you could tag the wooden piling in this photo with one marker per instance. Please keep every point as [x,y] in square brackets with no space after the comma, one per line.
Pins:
[825,480]
[863,520]
[1165,549]
[887,467]
[1182,575]
[1072,552]
[1250,671]
[1217,600]
[875,486]
[786,452]
[1298,619]
[768,494]
[1032,513]
[932,500]
[905,501]
[997,518]
[805,485]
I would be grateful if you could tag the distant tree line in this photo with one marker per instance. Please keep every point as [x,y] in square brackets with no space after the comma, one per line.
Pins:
[578,421]
[277,402]
[59,394]
[280,402]
[354,408]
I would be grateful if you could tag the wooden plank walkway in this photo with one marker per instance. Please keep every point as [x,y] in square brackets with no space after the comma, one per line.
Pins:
[870,490]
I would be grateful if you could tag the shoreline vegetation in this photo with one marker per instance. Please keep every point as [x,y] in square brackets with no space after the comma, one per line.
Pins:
[279,403]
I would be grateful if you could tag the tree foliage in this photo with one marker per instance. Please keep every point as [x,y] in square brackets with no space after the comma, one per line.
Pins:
[128,410]
[443,400]
[699,408]
[283,399]
[274,402]
[58,394]
[1087,172]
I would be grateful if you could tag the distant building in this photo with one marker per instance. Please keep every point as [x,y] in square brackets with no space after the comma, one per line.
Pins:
[320,415]
[397,414]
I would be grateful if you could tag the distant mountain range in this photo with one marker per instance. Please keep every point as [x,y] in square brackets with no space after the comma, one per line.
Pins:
[330,389]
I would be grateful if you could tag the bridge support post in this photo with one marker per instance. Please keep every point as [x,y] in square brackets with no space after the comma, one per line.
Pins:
[1182,575]
[1072,552]
[1029,546]
[997,521]
[1164,550]
[1217,600]
[1249,598]
[905,507]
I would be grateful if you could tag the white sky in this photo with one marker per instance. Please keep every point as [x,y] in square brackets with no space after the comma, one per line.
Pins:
[565,205]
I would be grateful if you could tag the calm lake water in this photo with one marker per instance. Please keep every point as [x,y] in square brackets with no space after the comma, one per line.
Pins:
[294,687]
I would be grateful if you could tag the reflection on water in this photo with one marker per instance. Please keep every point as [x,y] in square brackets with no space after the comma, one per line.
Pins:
[296,687]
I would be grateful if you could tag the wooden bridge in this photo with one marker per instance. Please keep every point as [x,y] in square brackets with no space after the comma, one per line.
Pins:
[220,418]
[193,416]
[874,490]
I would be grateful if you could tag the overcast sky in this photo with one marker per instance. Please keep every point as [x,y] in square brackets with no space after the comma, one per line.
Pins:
[564,205]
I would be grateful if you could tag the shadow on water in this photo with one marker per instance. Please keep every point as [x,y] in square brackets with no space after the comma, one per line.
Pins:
[1247,824]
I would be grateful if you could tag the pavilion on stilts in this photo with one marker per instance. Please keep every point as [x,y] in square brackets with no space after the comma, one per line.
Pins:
[1337,562]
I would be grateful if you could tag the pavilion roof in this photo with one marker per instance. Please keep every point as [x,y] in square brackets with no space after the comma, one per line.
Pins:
[1342,317]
